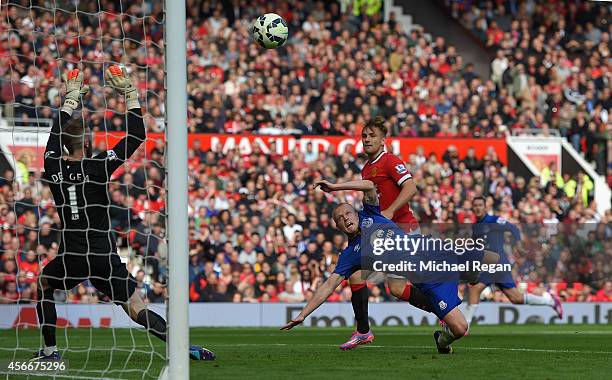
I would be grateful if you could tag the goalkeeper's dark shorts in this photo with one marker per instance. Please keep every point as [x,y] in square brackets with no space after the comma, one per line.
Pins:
[105,271]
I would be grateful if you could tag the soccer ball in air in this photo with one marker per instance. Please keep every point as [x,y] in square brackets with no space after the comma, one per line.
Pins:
[270,31]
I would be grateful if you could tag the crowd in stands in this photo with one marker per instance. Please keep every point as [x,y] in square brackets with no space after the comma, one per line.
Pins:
[553,60]
[258,231]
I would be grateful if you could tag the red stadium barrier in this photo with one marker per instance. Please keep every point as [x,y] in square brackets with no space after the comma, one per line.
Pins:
[285,144]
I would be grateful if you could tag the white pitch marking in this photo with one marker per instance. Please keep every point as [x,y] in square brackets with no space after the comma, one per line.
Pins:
[408,346]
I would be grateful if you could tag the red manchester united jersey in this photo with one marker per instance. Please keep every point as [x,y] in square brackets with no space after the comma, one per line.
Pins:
[389,172]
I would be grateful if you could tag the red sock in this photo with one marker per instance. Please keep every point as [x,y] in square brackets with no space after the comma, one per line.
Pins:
[355,288]
[406,294]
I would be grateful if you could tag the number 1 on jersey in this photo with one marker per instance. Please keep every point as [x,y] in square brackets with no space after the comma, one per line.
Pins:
[72,200]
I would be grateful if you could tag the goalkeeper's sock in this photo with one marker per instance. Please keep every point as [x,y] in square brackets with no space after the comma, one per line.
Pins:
[153,322]
[470,310]
[446,337]
[416,298]
[359,300]
[532,299]
[47,317]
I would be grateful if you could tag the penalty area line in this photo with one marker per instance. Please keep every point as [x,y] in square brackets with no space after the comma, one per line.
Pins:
[420,347]
[518,349]
[407,332]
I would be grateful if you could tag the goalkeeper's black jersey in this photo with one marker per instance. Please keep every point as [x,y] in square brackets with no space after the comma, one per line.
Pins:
[80,188]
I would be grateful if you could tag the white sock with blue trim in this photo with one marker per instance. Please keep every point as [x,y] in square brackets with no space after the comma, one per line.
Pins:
[470,310]
[532,299]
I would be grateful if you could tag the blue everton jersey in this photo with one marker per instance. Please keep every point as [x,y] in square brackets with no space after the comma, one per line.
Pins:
[491,229]
[349,260]
[442,295]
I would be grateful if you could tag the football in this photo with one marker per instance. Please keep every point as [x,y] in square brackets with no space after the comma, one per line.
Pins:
[270,31]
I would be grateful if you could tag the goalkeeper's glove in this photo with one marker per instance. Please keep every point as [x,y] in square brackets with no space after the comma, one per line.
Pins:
[119,79]
[74,90]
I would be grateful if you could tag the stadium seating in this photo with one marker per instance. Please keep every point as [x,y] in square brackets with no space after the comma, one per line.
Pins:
[552,61]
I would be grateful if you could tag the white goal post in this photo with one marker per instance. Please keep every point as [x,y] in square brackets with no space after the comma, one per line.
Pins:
[47,38]
[178,282]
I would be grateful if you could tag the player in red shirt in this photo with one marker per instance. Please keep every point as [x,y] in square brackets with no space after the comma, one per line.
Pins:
[392,179]
[395,187]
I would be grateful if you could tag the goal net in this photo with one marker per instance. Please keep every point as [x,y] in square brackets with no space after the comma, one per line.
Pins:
[40,40]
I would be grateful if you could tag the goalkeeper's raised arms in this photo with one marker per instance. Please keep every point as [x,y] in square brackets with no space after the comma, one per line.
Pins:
[87,222]
[105,163]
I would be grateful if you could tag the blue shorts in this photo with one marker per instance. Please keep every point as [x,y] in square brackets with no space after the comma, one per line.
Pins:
[443,297]
[505,285]
[502,281]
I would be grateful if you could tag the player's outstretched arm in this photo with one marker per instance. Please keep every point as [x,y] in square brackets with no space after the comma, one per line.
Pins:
[321,294]
[359,185]
[368,187]
[120,81]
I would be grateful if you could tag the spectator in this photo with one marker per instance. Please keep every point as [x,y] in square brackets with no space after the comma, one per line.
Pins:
[157,294]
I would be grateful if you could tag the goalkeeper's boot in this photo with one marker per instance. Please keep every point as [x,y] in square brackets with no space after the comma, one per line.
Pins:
[558,307]
[442,349]
[357,339]
[200,353]
[40,356]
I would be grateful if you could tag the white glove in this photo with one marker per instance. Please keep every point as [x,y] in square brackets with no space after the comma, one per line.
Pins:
[119,79]
[74,90]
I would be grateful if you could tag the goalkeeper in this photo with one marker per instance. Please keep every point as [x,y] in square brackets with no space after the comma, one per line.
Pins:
[78,182]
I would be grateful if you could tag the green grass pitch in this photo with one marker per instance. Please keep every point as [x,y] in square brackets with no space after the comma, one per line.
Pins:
[489,352]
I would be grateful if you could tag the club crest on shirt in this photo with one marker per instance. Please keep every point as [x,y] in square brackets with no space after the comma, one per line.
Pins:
[442,305]
[401,169]
[373,172]
[367,222]
[111,155]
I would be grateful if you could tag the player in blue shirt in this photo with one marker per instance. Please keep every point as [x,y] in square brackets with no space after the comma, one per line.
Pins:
[443,296]
[492,228]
